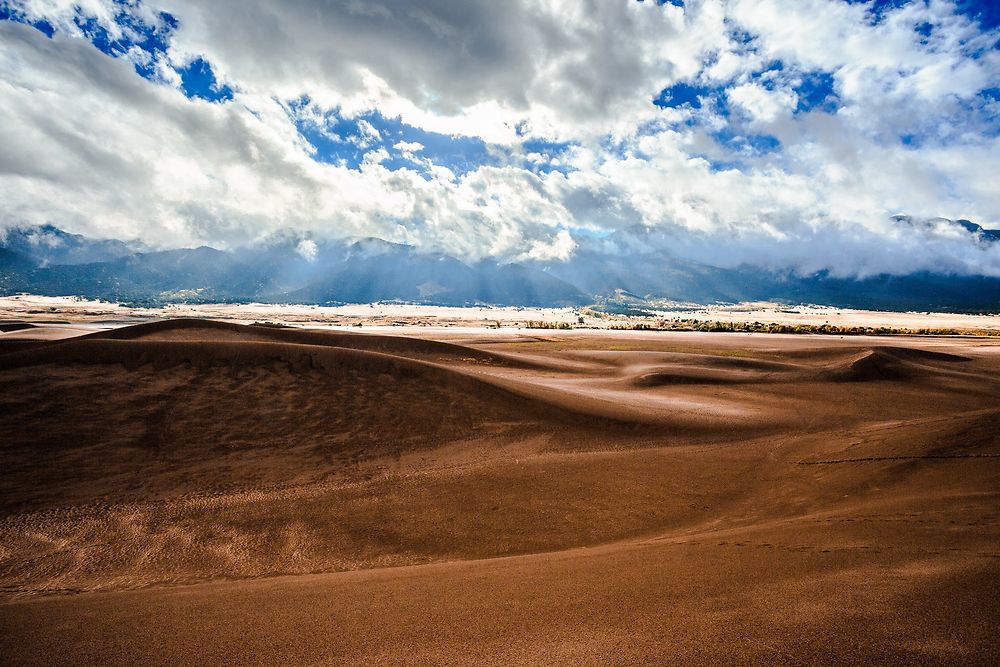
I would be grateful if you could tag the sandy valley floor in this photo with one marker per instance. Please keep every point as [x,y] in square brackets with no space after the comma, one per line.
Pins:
[390,316]
[194,492]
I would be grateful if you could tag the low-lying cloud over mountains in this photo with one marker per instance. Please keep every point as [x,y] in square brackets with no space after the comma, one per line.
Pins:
[632,265]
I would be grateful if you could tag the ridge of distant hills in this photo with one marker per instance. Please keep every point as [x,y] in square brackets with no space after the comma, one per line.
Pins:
[46,260]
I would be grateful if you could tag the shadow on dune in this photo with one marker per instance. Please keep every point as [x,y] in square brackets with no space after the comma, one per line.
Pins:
[890,363]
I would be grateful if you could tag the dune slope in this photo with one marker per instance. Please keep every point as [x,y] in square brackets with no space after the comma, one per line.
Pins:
[329,497]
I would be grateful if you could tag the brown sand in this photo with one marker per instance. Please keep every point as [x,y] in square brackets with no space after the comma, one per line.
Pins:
[192,492]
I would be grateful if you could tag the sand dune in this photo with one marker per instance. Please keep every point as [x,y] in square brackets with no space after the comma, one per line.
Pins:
[196,492]
[194,330]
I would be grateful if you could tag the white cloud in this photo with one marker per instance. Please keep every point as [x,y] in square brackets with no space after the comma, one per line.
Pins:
[307,248]
[409,149]
[92,147]
[409,146]
[762,104]
[367,134]
[559,248]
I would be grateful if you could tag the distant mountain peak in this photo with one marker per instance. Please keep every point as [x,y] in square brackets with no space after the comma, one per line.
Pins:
[49,245]
[946,225]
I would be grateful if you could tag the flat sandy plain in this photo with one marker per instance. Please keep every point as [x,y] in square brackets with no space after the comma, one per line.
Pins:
[392,315]
[196,492]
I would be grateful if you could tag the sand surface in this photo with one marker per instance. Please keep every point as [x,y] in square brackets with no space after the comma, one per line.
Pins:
[195,492]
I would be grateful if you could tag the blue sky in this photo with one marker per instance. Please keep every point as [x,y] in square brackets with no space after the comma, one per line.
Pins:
[758,130]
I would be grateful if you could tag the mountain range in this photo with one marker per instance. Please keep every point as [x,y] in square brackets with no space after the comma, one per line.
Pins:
[49,261]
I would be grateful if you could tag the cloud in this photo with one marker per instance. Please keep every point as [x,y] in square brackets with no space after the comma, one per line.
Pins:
[762,104]
[307,248]
[367,134]
[409,146]
[474,67]
[795,129]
